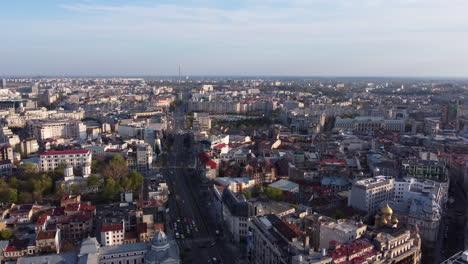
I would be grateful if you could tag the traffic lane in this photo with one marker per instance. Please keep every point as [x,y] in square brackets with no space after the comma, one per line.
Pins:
[186,209]
[189,204]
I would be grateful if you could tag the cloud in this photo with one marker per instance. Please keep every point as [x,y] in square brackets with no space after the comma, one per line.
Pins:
[270,35]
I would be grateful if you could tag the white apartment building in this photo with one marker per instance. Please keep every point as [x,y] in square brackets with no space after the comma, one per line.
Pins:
[369,123]
[29,146]
[49,129]
[7,136]
[112,235]
[236,185]
[420,203]
[368,194]
[77,158]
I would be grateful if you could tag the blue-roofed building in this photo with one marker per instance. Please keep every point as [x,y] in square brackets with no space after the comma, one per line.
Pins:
[285,185]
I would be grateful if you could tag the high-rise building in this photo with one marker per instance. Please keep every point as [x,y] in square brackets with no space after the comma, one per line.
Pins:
[452,114]
[3,84]
[368,194]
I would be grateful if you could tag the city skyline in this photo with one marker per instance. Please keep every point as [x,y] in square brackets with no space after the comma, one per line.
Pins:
[235,38]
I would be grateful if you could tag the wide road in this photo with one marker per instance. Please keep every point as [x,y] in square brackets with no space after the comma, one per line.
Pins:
[188,201]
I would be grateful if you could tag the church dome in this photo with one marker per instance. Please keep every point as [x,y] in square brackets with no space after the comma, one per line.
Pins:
[159,239]
[395,220]
[386,210]
[384,221]
[159,249]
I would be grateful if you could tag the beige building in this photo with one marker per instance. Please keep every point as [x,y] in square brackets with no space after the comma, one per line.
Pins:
[61,128]
[29,146]
[112,234]
[340,231]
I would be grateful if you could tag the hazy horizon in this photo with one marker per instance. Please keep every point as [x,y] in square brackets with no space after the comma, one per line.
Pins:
[296,38]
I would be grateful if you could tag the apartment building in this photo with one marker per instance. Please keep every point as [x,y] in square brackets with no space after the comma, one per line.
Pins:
[77,158]
[61,128]
[368,194]
[112,234]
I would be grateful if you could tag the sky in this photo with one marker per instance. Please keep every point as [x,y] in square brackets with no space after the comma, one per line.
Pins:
[408,38]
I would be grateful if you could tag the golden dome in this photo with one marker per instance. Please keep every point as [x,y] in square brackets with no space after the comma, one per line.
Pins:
[377,216]
[395,220]
[384,221]
[386,210]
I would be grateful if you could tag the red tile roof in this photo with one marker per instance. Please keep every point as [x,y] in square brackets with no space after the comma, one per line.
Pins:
[206,159]
[46,235]
[107,228]
[65,152]
[80,207]
[220,146]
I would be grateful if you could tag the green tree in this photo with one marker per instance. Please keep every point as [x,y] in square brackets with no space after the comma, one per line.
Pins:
[117,168]
[247,194]
[92,181]
[75,189]
[136,180]
[9,196]
[6,234]
[28,169]
[13,182]
[274,194]
[97,166]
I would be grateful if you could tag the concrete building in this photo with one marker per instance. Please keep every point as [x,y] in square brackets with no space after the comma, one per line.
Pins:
[7,136]
[161,250]
[65,128]
[367,195]
[77,158]
[6,152]
[112,234]
[29,146]
[369,123]
[459,258]
[341,232]
[141,158]
[236,185]
[273,240]
[420,203]
[236,214]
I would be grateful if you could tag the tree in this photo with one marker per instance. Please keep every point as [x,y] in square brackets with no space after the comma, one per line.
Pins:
[247,194]
[6,234]
[9,196]
[117,168]
[109,191]
[13,182]
[28,169]
[92,181]
[75,189]
[67,246]
[274,194]
[136,180]
[295,206]
[97,166]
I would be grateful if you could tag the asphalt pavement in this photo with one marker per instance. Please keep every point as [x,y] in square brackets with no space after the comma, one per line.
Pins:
[187,201]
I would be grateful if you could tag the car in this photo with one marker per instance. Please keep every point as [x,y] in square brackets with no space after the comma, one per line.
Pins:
[182,236]
[177,235]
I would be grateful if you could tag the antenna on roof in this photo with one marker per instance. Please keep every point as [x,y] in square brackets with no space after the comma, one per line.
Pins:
[179,75]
